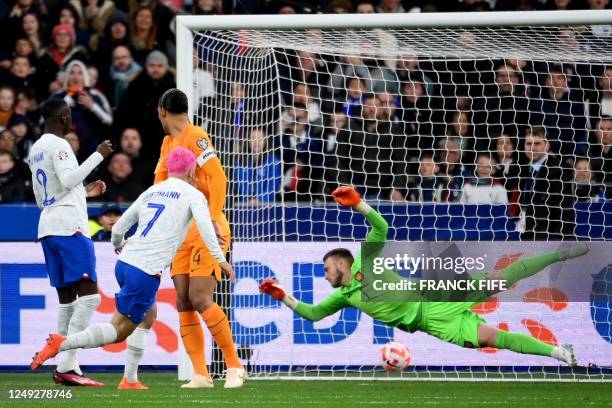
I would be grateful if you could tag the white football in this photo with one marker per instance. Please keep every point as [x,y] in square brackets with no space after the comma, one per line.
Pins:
[394,356]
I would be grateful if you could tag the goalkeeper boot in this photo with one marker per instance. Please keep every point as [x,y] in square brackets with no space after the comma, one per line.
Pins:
[574,251]
[565,353]
[54,342]
[126,385]
[235,377]
[199,381]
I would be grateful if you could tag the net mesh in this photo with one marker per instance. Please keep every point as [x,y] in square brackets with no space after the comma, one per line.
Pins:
[441,130]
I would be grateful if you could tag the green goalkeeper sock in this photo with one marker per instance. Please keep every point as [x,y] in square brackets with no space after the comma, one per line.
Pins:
[528,266]
[522,343]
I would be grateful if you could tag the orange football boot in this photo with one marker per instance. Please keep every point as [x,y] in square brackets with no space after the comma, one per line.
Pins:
[51,349]
[126,385]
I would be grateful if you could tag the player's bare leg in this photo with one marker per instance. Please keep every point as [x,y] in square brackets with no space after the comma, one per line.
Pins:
[75,314]
[201,289]
[192,334]
[489,336]
[137,342]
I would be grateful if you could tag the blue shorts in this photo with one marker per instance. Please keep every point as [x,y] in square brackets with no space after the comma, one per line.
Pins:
[137,294]
[69,259]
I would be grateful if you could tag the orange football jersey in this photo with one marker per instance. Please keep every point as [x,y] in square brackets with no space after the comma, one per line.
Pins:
[209,178]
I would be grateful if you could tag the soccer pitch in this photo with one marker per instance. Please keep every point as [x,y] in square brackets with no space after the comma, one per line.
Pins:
[165,391]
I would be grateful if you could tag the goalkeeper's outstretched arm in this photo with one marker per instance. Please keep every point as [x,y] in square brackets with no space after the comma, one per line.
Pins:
[327,307]
[380,228]
[349,197]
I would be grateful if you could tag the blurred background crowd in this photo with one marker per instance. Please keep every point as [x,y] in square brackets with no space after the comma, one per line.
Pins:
[535,136]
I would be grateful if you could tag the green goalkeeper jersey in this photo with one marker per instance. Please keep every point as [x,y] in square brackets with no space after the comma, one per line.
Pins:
[404,315]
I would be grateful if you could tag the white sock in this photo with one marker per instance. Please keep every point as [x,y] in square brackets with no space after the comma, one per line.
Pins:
[136,343]
[65,313]
[67,359]
[83,309]
[94,336]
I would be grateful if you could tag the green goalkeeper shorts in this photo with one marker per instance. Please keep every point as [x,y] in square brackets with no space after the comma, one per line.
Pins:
[452,322]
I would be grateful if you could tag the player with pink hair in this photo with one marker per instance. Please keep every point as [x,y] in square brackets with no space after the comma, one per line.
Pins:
[181,162]
[163,213]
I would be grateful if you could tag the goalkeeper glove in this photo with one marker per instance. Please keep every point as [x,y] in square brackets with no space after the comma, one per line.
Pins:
[274,289]
[346,196]
[349,197]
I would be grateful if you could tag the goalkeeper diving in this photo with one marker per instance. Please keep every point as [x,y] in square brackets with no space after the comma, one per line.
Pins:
[453,322]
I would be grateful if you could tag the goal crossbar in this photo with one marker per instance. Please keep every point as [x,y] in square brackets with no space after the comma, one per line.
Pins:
[396,20]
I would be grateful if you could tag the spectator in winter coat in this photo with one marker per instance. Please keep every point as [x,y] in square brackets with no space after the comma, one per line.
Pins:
[62,51]
[91,112]
[12,186]
[138,108]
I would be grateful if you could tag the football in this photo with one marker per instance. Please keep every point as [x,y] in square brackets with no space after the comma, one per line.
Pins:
[394,356]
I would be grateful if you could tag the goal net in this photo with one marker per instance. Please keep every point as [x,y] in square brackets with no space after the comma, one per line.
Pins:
[458,129]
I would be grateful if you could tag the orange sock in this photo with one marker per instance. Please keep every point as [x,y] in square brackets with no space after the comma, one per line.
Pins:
[193,340]
[219,327]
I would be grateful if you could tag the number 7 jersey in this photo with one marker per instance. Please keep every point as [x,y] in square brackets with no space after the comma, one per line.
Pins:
[163,213]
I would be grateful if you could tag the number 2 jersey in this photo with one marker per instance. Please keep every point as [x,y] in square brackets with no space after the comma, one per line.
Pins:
[57,180]
[163,213]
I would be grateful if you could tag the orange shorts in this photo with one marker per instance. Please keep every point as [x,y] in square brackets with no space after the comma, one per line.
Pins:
[194,259]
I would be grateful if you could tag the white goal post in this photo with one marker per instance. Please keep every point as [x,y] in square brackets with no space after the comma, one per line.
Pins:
[471,81]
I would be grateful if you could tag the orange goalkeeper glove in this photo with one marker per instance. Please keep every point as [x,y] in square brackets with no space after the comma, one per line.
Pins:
[346,196]
[274,289]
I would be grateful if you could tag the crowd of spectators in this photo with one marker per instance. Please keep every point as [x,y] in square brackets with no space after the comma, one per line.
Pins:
[533,136]
[402,129]
[109,60]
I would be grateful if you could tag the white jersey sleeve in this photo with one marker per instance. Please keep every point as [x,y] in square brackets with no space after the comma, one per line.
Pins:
[57,183]
[127,220]
[201,215]
[68,170]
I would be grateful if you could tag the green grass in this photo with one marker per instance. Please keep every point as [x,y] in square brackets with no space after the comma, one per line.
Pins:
[165,392]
